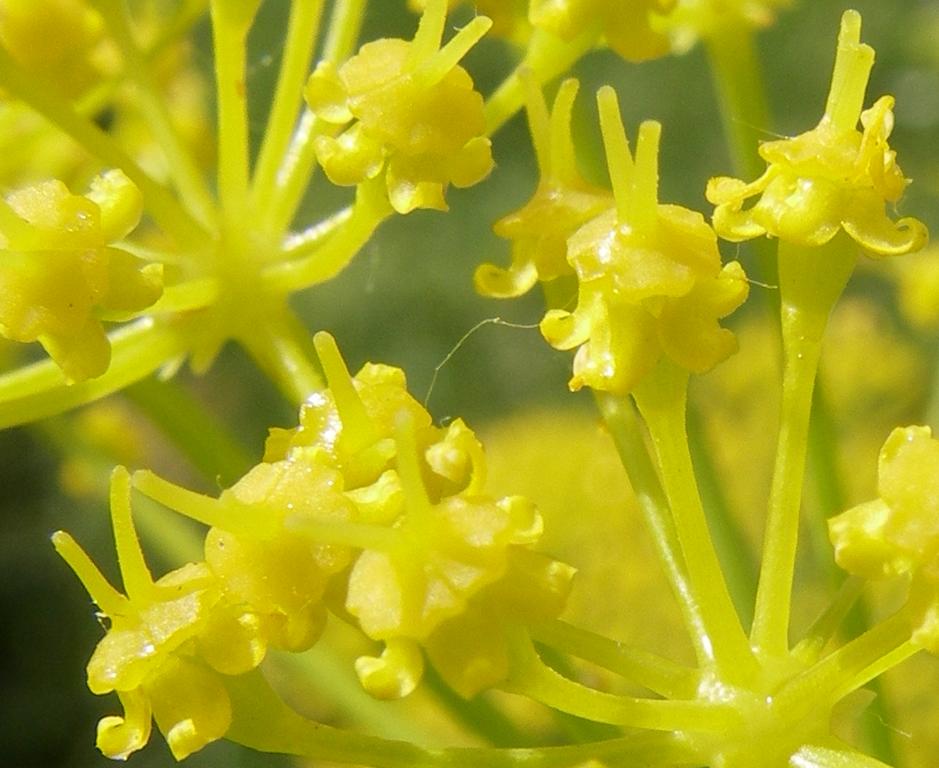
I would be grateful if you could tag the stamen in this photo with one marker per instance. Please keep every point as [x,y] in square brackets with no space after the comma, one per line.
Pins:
[357,427]
[853,64]
[108,599]
[138,583]
[619,160]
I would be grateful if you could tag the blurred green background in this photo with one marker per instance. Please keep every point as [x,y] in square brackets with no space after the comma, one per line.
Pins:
[408,300]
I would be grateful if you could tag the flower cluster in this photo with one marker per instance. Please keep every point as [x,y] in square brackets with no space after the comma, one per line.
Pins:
[649,275]
[627,28]
[60,270]
[831,178]
[368,513]
[691,20]
[367,503]
[415,116]
[562,202]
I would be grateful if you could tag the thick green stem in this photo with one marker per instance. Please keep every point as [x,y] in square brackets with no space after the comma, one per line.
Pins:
[299,161]
[810,280]
[229,33]
[301,38]
[738,560]
[662,399]
[856,663]
[283,349]
[186,174]
[531,677]
[621,420]
[337,249]
[649,670]
[547,57]
[263,722]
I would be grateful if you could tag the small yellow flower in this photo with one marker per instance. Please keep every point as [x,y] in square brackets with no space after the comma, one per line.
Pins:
[897,534]
[277,570]
[66,43]
[471,650]
[831,178]
[917,281]
[625,25]
[415,115]
[59,270]
[562,202]
[456,577]
[167,643]
[650,279]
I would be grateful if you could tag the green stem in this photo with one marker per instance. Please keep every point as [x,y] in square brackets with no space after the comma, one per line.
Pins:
[229,35]
[621,420]
[283,349]
[827,625]
[811,280]
[738,561]
[662,400]
[299,161]
[194,430]
[546,58]
[301,37]
[300,244]
[649,670]
[823,467]
[531,677]
[39,390]
[263,722]
[186,174]
[738,80]
[339,248]
[855,663]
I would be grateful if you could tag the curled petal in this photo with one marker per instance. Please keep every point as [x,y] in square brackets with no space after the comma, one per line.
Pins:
[119,737]
[190,705]
[395,673]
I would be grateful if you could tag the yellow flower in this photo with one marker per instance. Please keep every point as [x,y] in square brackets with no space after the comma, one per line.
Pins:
[471,650]
[650,279]
[917,282]
[277,570]
[561,203]
[625,25]
[66,43]
[167,643]
[367,491]
[831,178]
[897,534]
[414,112]
[452,568]
[352,425]
[59,270]
[691,20]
